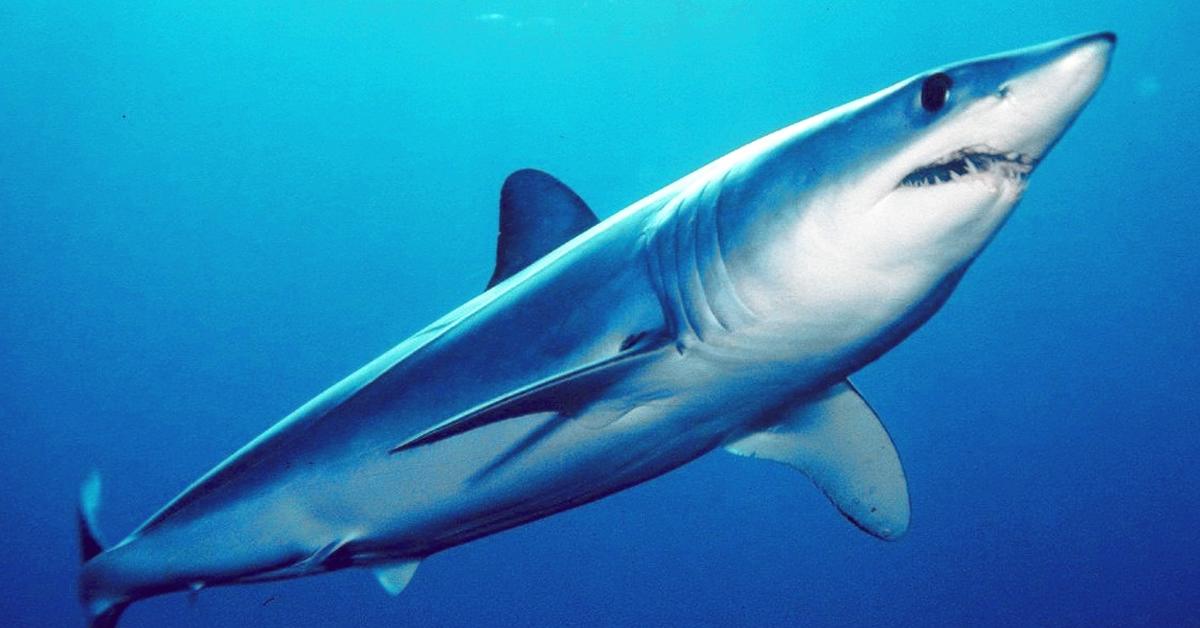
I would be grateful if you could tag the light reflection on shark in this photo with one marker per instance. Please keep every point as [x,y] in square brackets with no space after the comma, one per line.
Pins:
[725,310]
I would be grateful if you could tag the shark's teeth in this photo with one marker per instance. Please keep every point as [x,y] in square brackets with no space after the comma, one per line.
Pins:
[970,162]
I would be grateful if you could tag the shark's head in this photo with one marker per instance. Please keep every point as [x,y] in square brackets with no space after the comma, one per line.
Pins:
[886,199]
[964,141]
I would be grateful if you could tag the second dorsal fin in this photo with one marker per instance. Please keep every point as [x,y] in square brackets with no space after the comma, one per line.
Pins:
[538,213]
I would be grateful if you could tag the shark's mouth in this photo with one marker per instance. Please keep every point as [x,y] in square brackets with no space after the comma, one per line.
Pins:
[971,162]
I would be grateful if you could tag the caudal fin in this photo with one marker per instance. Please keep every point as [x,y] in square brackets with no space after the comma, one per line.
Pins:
[91,545]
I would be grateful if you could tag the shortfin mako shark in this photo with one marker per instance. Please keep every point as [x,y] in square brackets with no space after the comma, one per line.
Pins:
[726,310]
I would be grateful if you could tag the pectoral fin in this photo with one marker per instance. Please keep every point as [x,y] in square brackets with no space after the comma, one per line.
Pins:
[839,443]
[394,577]
[566,394]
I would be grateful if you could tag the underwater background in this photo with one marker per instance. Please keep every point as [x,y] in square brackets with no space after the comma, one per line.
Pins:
[209,212]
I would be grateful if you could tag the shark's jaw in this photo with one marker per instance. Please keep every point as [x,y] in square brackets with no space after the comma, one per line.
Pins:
[971,164]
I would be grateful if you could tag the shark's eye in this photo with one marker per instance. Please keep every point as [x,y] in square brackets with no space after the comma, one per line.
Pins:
[934,91]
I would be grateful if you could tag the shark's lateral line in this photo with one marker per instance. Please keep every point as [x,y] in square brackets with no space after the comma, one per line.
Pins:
[727,309]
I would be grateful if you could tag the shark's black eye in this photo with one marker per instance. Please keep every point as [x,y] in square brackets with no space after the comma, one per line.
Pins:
[934,91]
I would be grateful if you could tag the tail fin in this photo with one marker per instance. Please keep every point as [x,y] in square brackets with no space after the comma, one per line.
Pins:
[91,544]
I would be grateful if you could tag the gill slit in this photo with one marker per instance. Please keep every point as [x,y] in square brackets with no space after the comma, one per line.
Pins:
[686,278]
[664,290]
[726,305]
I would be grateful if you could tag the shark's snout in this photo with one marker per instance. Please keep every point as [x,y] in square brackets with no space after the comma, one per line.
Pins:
[1059,79]
[1082,64]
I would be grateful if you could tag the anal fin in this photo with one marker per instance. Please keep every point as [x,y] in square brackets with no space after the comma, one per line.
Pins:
[108,617]
[839,443]
[394,577]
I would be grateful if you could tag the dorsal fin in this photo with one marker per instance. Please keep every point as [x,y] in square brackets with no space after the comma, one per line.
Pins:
[538,213]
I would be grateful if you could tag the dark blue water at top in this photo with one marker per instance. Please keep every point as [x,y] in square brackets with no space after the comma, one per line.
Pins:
[209,213]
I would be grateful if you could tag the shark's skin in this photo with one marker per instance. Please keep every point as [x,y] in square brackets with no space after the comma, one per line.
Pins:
[730,303]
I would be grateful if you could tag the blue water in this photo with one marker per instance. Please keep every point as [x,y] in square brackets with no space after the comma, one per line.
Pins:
[209,213]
